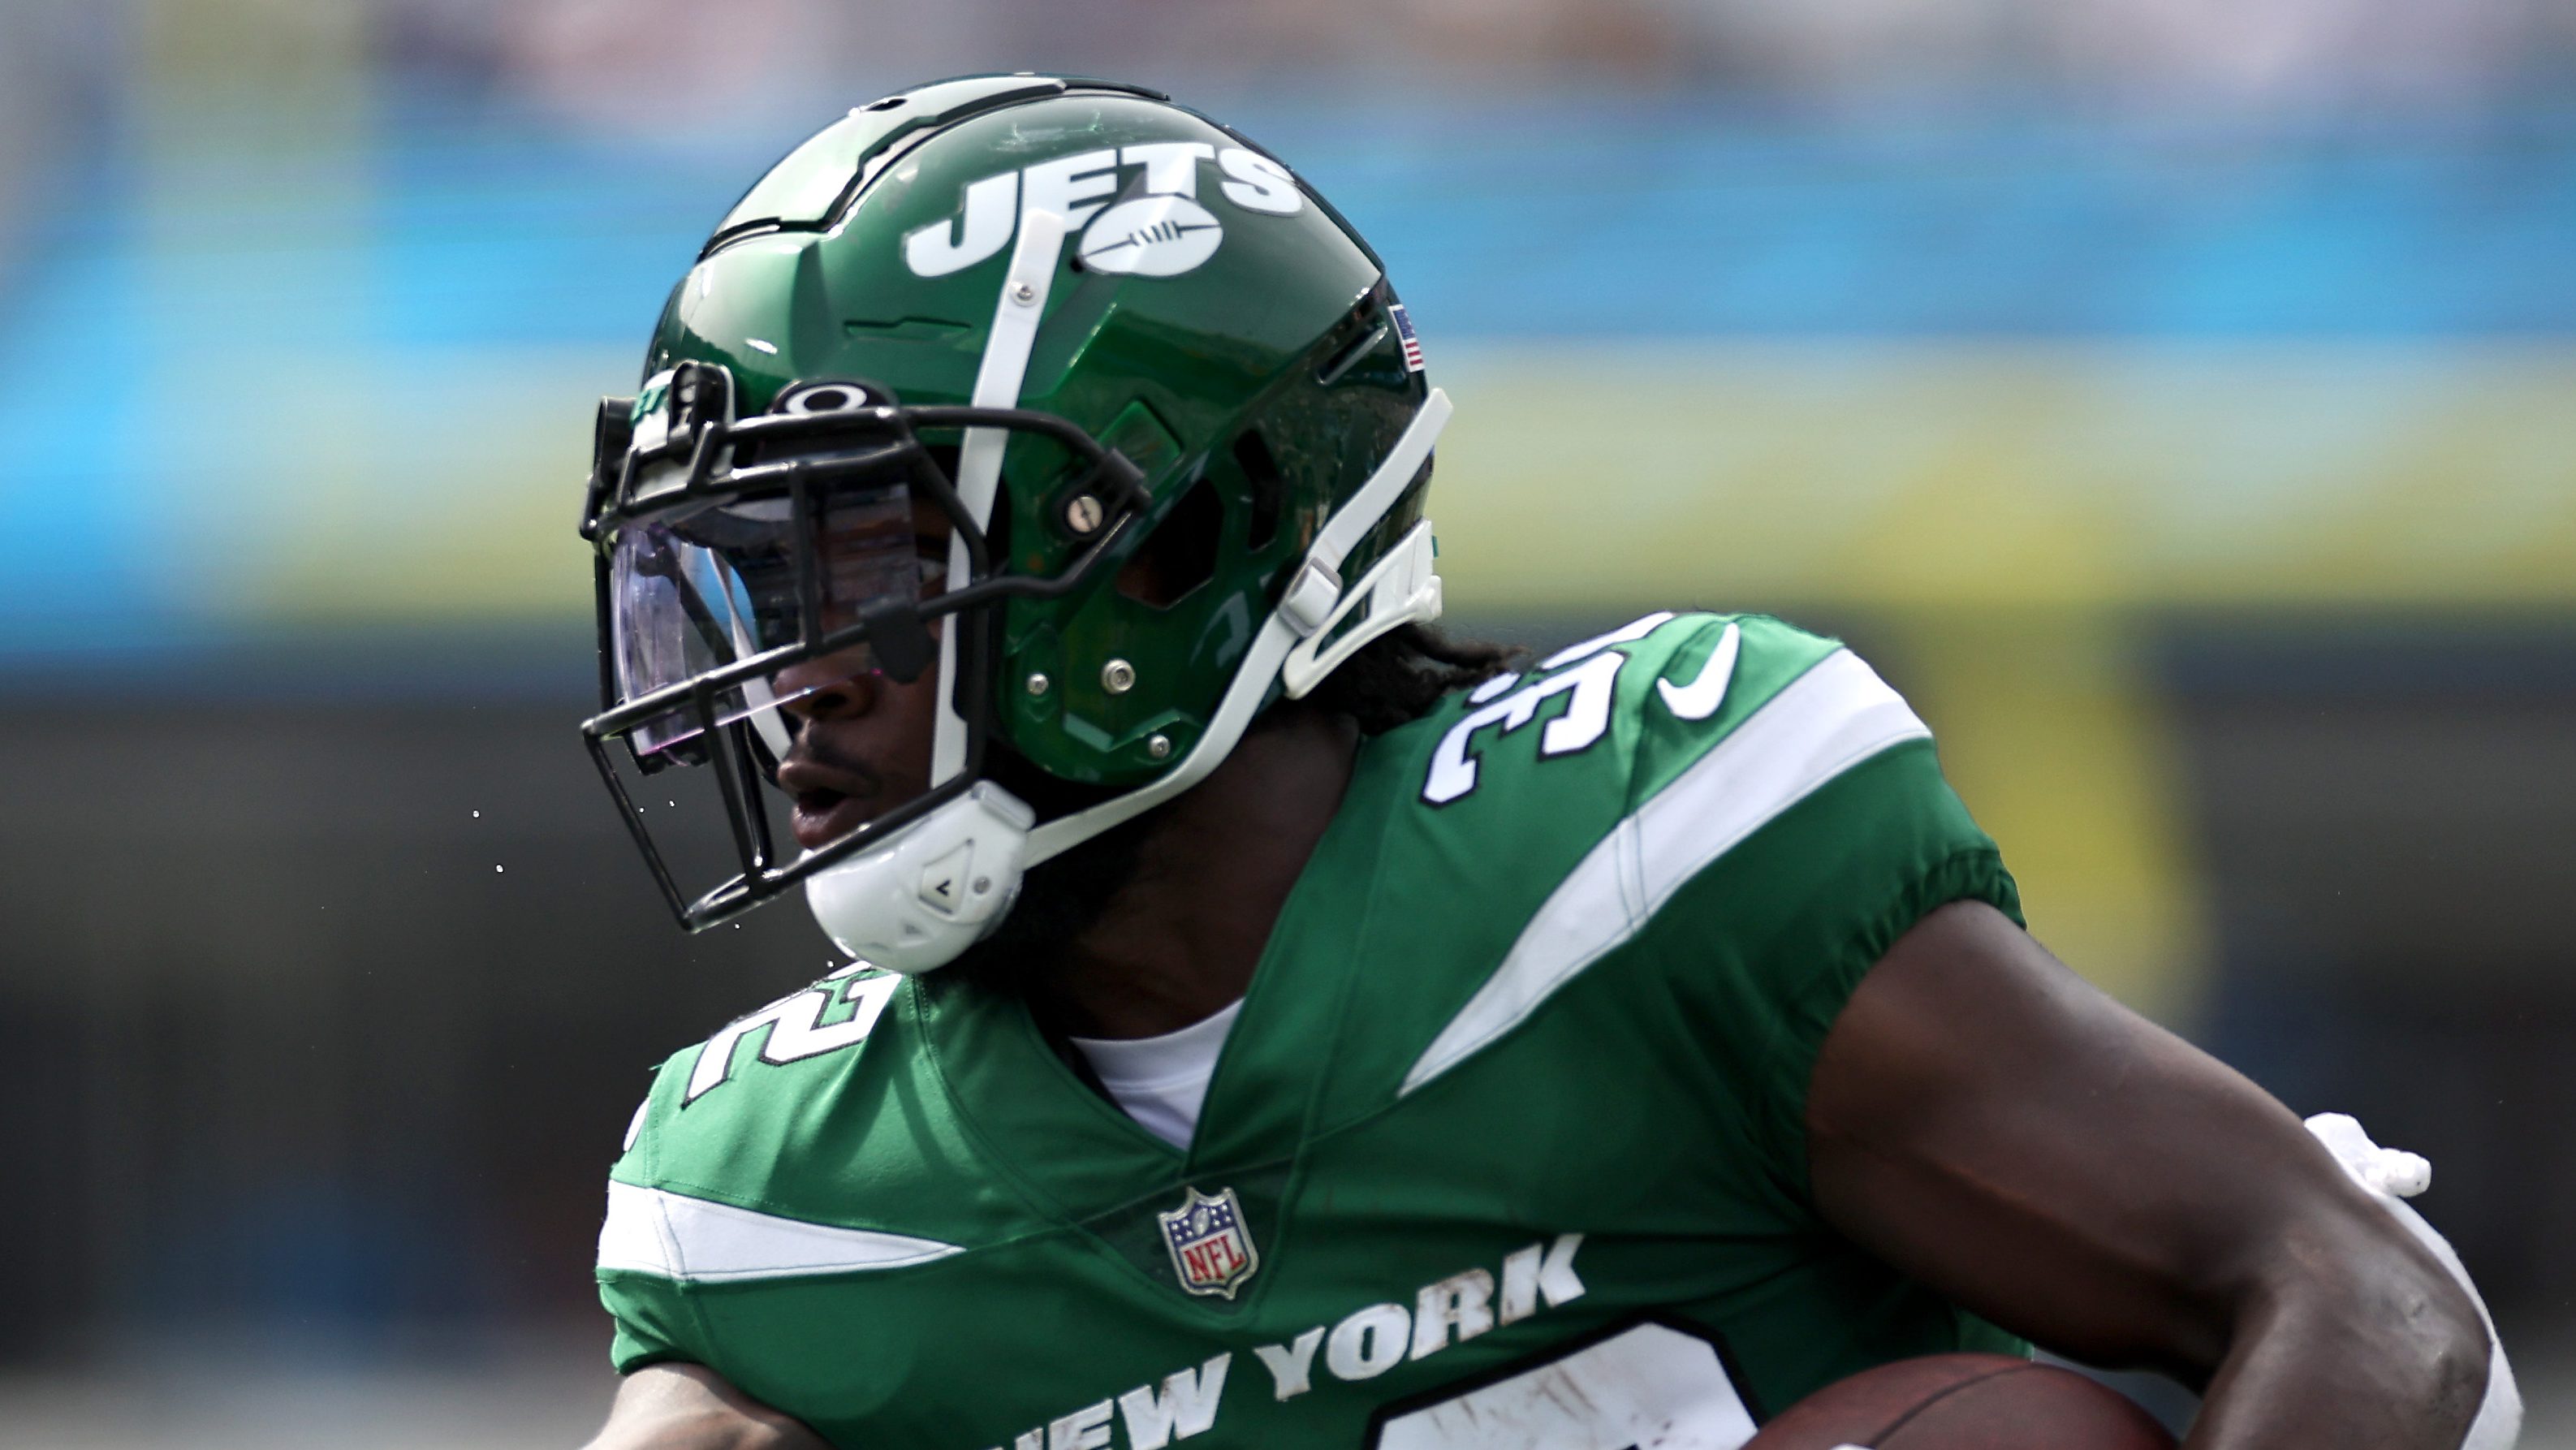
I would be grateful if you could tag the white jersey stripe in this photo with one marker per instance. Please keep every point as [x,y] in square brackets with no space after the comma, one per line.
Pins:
[1836,715]
[673,1236]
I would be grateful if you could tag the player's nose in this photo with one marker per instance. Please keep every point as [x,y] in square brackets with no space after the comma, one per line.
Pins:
[834,687]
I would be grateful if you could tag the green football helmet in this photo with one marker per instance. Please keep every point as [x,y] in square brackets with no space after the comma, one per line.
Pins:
[1163,396]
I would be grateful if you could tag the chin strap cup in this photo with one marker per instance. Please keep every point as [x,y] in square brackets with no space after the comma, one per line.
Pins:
[913,904]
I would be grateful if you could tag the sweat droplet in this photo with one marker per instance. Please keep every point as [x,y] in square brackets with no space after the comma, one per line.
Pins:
[478,815]
[496,868]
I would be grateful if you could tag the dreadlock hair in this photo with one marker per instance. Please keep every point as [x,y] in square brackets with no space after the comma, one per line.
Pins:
[1403,674]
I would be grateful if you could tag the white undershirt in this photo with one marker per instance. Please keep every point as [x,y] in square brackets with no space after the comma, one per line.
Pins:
[1161,1081]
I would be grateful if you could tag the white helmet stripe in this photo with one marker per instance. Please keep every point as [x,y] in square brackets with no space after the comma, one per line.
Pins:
[979,463]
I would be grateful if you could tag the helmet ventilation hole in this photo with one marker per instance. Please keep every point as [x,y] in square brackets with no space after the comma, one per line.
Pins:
[1180,555]
[1252,455]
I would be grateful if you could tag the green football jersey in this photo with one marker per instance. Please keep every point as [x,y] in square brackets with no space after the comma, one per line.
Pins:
[1506,1148]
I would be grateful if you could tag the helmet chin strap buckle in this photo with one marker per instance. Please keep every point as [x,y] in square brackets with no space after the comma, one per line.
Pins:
[1401,588]
[933,889]
[1309,603]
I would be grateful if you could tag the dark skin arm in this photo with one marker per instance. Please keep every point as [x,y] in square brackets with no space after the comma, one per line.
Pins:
[689,1407]
[1982,1119]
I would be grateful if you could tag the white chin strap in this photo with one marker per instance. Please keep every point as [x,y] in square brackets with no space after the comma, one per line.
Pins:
[914,902]
[935,887]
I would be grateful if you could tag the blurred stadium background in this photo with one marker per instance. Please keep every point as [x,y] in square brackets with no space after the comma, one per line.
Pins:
[2176,397]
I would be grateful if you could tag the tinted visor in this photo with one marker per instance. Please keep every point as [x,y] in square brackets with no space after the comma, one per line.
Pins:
[698,591]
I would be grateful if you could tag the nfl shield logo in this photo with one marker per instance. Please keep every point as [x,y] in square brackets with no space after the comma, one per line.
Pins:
[1210,1250]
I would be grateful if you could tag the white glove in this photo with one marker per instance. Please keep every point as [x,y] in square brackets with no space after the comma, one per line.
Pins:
[2392,1176]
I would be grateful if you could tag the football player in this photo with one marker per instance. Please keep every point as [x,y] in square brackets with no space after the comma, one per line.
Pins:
[1269,1021]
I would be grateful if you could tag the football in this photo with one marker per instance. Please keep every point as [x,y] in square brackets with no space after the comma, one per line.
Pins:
[1964,1402]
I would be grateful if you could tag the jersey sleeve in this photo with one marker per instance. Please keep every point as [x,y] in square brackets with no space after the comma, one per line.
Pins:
[641,1331]
[1786,838]
[651,1320]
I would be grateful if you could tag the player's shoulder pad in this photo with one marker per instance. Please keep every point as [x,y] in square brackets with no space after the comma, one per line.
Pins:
[757,1078]
[1637,700]
[1575,801]
[777,1148]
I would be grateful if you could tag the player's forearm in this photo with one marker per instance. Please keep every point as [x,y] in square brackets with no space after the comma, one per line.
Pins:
[692,1432]
[2364,1349]
[690,1407]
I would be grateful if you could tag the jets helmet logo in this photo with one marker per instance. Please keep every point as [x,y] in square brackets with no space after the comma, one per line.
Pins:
[1161,230]
[1157,236]
[1211,1253]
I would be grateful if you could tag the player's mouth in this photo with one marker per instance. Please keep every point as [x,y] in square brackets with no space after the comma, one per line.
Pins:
[831,800]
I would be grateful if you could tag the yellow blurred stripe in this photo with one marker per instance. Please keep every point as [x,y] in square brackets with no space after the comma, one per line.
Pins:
[2056,738]
[2079,474]
[1582,478]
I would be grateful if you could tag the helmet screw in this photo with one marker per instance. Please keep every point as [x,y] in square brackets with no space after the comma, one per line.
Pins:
[1037,684]
[1083,513]
[1158,746]
[1023,293]
[1118,677]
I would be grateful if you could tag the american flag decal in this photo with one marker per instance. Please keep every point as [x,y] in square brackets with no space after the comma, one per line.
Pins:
[1404,334]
